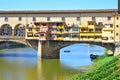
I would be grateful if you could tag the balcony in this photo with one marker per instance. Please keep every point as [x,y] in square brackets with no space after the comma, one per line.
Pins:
[58,32]
[37,35]
[42,38]
[83,38]
[83,34]
[84,26]
[98,38]
[29,34]
[60,27]
[84,30]
[107,29]
[91,38]
[59,38]
[91,26]
[98,33]
[90,34]
[104,38]
[37,29]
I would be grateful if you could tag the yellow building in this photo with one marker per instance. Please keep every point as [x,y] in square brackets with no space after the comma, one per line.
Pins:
[91,32]
[60,30]
[30,31]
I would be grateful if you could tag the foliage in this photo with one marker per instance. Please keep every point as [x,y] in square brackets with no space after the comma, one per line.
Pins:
[105,68]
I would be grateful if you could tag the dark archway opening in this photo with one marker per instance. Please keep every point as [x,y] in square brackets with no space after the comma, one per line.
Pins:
[19,30]
[6,30]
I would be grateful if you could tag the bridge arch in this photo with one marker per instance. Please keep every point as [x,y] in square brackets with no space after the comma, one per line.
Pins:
[51,49]
[19,30]
[12,43]
[6,29]
[109,46]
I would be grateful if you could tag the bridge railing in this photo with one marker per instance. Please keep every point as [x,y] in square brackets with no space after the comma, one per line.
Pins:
[12,38]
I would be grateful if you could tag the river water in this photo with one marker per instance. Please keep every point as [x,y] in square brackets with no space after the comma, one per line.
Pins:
[23,63]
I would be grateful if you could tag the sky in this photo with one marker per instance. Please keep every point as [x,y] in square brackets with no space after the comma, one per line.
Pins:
[57,4]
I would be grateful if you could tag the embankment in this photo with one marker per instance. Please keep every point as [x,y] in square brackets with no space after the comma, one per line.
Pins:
[105,68]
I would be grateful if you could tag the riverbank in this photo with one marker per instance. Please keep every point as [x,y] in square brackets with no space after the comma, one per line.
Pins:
[105,68]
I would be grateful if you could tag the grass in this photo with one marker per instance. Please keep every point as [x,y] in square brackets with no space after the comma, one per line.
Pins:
[105,68]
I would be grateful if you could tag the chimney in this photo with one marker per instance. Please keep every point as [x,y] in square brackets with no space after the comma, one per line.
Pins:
[119,6]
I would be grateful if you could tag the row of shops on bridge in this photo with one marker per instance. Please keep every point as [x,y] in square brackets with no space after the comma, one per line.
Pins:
[60,31]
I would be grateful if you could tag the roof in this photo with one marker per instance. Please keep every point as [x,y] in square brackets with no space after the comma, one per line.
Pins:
[57,11]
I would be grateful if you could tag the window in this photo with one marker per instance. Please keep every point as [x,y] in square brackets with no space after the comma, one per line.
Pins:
[37,35]
[30,34]
[48,18]
[44,24]
[63,18]
[117,26]
[44,29]
[37,29]
[116,34]
[34,19]
[59,24]
[29,29]
[61,30]
[93,18]
[42,35]
[6,18]
[75,28]
[78,18]
[109,18]
[20,18]
[90,30]
[117,18]
[111,25]
[98,30]
[111,38]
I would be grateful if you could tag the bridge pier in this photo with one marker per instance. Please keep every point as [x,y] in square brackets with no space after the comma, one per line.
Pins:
[117,49]
[46,49]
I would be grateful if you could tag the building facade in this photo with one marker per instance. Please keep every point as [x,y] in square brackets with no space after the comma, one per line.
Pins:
[73,25]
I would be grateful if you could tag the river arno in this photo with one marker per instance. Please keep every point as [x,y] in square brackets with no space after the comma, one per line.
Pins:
[23,63]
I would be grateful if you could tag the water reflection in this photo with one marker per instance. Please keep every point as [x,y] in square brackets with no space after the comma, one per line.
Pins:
[23,64]
[17,68]
[79,55]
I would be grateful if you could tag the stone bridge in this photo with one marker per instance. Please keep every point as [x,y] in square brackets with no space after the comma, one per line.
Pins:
[51,48]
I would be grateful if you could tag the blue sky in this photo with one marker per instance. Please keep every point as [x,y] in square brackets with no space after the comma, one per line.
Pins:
[57,4]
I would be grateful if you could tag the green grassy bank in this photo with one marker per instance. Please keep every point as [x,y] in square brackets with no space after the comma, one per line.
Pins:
[105,68]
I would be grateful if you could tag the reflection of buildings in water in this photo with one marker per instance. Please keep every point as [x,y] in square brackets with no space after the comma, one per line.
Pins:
[39,70]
